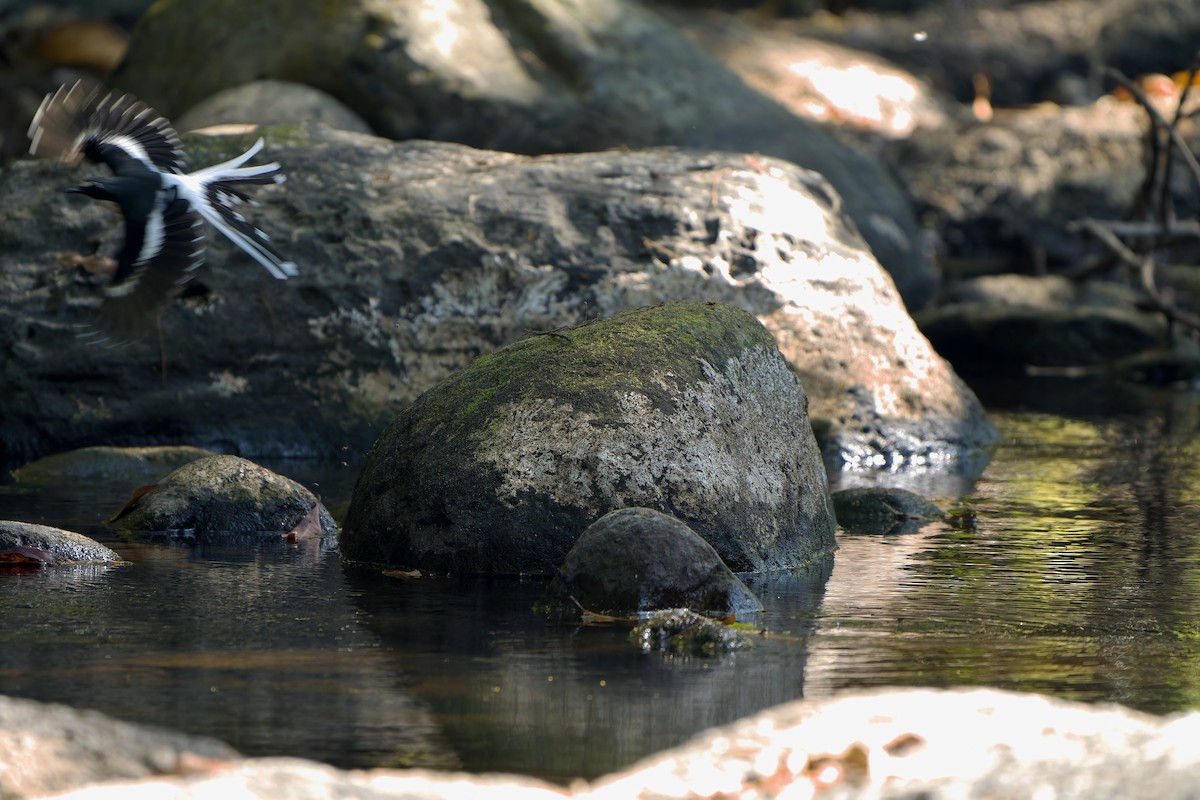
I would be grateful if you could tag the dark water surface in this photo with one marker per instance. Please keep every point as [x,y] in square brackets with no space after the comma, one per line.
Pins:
[1081,579]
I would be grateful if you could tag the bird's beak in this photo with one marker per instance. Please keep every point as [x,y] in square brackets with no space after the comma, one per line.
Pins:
[77,189]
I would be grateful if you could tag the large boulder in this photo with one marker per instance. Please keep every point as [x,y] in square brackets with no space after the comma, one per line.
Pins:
[416,258]
[687,408]
[531,76]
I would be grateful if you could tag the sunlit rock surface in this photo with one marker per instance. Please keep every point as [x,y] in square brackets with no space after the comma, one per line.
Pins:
[686,407]
[530,77]
[415,258]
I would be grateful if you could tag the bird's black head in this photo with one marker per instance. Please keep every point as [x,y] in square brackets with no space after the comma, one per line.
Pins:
[99,188]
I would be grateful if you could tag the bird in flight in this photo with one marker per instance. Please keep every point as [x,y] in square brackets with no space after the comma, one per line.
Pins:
[164,207]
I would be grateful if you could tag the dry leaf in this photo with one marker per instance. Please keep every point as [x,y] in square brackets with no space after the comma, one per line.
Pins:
[22,555]
[402,573]
[307,528]
[128,505]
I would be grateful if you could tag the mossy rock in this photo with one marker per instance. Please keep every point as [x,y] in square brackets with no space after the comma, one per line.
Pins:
[136,465]
[222,495]
[686,408]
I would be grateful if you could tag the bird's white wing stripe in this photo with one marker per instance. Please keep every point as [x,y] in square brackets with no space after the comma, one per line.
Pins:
[131,146]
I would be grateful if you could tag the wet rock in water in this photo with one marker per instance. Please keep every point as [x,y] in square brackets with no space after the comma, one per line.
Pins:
[1010,323]
[48,748]
[876,509]
[223,494]
[638,559]
[51,545]
[137,465]
[683,632]
[550,76]
[686,407]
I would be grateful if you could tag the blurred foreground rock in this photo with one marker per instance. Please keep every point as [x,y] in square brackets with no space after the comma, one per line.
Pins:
[910,744]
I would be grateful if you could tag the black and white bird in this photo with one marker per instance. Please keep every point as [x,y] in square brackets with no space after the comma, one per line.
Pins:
[164,207]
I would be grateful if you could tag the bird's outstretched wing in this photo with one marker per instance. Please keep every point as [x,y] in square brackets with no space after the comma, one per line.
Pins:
[172,248]
[80,121]
[214,192]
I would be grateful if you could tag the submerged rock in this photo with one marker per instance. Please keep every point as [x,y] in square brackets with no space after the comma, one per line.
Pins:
[58,545]
[683,632]
[877,509]
[686,407]
[137,465]
[636,560]
[223,494]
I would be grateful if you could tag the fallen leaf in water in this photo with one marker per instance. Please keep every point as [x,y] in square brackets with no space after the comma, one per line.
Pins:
[21,555]
[125,508]
[307,528]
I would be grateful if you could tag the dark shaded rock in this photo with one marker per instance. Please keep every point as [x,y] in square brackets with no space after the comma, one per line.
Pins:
[271,103]
[685,633]
[223,494]
[883,510]
[67,547]
[513,75]
[636,559]
[1002,195]
[415,258]
[1012,322]
[686,408]
[47,748]
[137,465]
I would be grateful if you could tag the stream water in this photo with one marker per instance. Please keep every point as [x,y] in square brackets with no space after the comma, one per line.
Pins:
[1081,579]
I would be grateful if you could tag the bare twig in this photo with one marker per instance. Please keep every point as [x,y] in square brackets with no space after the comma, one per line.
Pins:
[1144,264]
[1158,120]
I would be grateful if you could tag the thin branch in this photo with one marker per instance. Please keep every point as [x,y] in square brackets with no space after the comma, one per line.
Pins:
[1143,264]
[1158,120]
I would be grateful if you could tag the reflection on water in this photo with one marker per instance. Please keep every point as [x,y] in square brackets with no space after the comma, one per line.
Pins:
[1081,580]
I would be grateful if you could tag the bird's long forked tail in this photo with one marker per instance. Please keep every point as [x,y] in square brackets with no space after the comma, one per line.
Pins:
[213,193]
